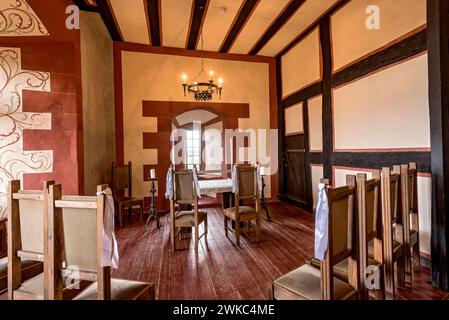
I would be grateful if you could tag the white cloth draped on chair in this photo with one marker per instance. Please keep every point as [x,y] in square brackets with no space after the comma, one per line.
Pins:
[321,223]
[169,183]
[110,256]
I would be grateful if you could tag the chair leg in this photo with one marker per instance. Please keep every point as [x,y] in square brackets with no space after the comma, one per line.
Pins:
[141,212]
[408,262]
[197,236]
[400,267]
[226,221]
[389,278]
[416,258]
[258,228]
[172,237]
[120,209]
[237,232]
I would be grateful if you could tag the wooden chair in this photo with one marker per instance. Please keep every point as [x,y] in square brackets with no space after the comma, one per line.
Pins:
[393,235]
[309,282]
[29,268]
[28,240]
[410,217]
[248,192]
[370,230]
[185,196]
[78,228]
[123,192]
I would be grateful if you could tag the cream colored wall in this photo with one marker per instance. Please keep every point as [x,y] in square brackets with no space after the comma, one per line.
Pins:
[294,120]
[389,109]
[301,66]
[341,173]
[315,109]
[351,38]
[98,101]
[317,175]
[158,77]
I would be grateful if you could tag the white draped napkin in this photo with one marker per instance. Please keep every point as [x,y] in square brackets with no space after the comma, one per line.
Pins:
[235,183]
[169,184]
[259,179]
[109,257]
[321,223]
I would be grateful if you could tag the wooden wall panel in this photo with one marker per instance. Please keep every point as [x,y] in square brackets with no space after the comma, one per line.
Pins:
[301,66]
[294,123]
[351,38]
[387,110]
[316,124]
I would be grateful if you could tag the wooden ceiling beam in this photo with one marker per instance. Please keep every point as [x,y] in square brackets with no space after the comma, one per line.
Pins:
[277,24]
[198,14]
[245,12]
[337,6]
[107,14]
[154,22]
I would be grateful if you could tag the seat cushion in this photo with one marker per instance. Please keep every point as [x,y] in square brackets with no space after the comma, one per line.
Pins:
[120,290]
[30,269]
[187,218]
[340,269]
[246,212]
[305,282]
[32,289]
[396,249]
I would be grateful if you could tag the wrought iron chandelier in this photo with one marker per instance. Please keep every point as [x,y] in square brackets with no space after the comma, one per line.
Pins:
[202,91]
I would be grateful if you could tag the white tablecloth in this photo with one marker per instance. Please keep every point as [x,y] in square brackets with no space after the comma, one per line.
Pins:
[212,187]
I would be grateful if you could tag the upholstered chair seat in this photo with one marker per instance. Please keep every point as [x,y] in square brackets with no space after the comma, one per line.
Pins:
[32,289]
[397,249]
[340,269]
[305,283]
[120,290]
[30,269]
[246,213]
[187,218]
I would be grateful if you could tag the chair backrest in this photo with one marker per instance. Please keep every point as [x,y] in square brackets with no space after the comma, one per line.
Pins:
[122,178]
[28,231]
[80,223]
[409,196]
[341,236]
[412,186]
[184,189]
[369,224]
[247,182]
[3,237]
[390,215]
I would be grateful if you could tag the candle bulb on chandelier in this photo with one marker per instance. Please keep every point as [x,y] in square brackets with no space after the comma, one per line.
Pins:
[211,74]
[184,78]
[220,82]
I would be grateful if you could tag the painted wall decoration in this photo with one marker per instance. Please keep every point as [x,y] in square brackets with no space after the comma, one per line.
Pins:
[17,18]
[14,160]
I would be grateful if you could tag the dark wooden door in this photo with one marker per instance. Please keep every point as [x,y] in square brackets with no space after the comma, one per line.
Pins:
[294,168]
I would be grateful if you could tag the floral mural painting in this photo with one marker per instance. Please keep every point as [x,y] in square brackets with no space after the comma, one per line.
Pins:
[17,18]
[14,161]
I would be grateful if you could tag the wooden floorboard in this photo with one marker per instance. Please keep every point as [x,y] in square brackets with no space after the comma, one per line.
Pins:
[222,271]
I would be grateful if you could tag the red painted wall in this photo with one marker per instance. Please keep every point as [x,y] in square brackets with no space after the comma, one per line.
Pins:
[60,55]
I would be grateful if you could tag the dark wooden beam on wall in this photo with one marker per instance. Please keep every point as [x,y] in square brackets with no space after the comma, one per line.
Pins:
[107,14]
[240,20]
[379,160]
[198,15]
[326,48]
[337,6]
[277,24]
[281,126]
[407,48]
[438,57]
[154,22]
[308,168]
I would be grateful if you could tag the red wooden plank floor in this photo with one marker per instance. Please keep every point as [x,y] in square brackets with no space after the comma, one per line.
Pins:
[219,270]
